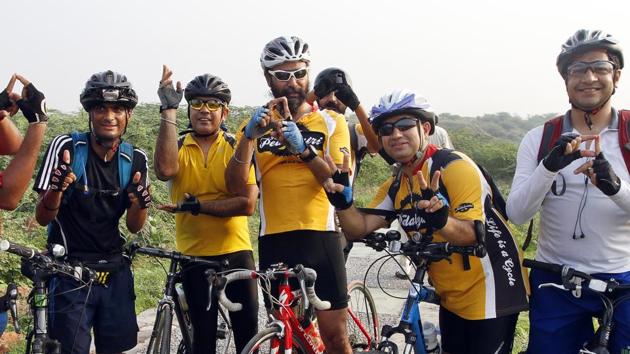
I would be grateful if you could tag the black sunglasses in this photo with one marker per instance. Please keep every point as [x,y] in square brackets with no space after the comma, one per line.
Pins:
[402,124]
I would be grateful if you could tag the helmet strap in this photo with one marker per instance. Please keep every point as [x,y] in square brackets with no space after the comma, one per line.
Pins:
[590,112]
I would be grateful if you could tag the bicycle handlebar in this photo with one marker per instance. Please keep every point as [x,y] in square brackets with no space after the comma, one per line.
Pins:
[48,263]
[434,251]
[307,275]
[568,274]
[134,248]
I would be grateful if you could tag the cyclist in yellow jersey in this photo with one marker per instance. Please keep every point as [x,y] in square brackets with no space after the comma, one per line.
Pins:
[480,297]
[287,140]
[210,221]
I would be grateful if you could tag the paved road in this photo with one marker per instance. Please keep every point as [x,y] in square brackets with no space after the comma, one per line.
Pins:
[360,259]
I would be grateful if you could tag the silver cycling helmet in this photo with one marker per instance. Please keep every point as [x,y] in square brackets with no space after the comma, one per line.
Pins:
[284,49]
[401,102]
[584,40]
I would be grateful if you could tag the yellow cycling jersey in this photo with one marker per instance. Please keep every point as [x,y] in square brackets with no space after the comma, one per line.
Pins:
[207,235]
[471,287]
[291,198]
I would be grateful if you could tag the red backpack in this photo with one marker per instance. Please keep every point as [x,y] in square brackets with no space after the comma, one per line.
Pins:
[552,131]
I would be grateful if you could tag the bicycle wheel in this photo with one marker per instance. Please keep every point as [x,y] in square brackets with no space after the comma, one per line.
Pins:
[261,342]
[362,318]
[160,342]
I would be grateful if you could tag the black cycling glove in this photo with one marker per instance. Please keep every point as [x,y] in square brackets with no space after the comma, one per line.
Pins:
[341,200]
[556,158]
[169,97]
[607,180]
[189,204]
[33,106]
[5,102]
[346,95]
[59,175]
[142,193]
[437,219]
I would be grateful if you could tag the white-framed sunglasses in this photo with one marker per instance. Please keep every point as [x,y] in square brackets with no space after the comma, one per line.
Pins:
[284,75]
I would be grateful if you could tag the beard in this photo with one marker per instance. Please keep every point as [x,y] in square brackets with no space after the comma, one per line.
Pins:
[294,102]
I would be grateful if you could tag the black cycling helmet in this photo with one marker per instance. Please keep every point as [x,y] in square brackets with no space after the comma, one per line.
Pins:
[108,87]
[327,81]
[584,40]
[207,85]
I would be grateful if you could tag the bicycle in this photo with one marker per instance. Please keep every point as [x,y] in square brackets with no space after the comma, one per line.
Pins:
[575,281]
[160,341]
[285,331]
[42,267]
[422,253]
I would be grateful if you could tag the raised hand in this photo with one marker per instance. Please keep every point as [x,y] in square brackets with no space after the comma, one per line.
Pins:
[600,172]
[293,137]
[33,102]
[170,96]
[8,107]
[567,150]
[62,176]
[137,193]
[346,95]
[337,187]
[433,203]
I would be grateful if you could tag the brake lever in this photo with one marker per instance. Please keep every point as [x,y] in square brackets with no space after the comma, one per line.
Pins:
[210,275]
[554,285]
[301,279]
[13,294]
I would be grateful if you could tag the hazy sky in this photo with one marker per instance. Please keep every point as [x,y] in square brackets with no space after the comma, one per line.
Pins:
[468,57]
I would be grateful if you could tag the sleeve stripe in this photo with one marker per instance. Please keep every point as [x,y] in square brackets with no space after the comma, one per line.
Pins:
[51,160]
[146,164]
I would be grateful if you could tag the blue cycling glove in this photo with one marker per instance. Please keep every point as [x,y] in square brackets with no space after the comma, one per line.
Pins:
[293,137]
[253,130]
[341,200]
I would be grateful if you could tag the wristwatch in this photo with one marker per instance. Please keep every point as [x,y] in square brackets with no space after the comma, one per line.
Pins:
[311,153]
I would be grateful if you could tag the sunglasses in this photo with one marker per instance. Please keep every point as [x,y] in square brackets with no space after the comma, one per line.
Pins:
[402,124]
[598,67]
[283,75]
[211,106]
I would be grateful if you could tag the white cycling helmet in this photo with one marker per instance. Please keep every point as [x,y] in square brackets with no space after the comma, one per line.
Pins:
[283,49]
[400,102]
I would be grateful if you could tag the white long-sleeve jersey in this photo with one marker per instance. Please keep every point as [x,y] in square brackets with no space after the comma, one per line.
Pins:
[581,210]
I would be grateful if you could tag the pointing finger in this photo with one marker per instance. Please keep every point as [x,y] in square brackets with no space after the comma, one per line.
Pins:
[598,145]
[136,177]
[435,181]
[11,83]
[331,164]
[423,182]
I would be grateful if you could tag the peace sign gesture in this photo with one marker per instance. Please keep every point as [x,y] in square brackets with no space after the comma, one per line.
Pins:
[433,203]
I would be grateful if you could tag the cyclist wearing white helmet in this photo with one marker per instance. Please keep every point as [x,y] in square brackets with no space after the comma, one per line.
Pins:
[287,139]
[15,177]
[572,169]
[86,183]
[210,222]
[441,193]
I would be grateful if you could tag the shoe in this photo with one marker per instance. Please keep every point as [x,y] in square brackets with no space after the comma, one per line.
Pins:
[401,275]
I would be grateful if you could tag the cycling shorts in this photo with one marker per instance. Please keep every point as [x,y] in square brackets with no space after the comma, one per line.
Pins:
[110,311]
[320,250]
[461,336]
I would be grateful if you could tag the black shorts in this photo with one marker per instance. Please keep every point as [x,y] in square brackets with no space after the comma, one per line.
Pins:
[319,250]
[461,336]
[244,322]
[110,311]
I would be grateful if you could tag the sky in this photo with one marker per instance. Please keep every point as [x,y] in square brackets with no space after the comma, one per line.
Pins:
[467,57]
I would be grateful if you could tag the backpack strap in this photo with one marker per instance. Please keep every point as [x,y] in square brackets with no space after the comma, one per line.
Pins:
[79,159]
[125,159]
[551,132]
[624,136]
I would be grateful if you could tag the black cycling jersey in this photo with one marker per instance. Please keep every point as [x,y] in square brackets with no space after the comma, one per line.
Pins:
[87,222]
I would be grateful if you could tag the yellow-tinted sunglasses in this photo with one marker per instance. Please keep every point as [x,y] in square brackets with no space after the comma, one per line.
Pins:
[211,105]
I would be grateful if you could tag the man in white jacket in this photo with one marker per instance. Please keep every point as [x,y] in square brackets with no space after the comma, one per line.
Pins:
[577,178]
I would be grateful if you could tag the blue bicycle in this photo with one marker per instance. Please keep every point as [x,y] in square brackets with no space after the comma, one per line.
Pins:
[422,253]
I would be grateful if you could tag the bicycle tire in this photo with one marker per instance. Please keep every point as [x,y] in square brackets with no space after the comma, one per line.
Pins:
[261,342]
[160,342]
[361,303]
